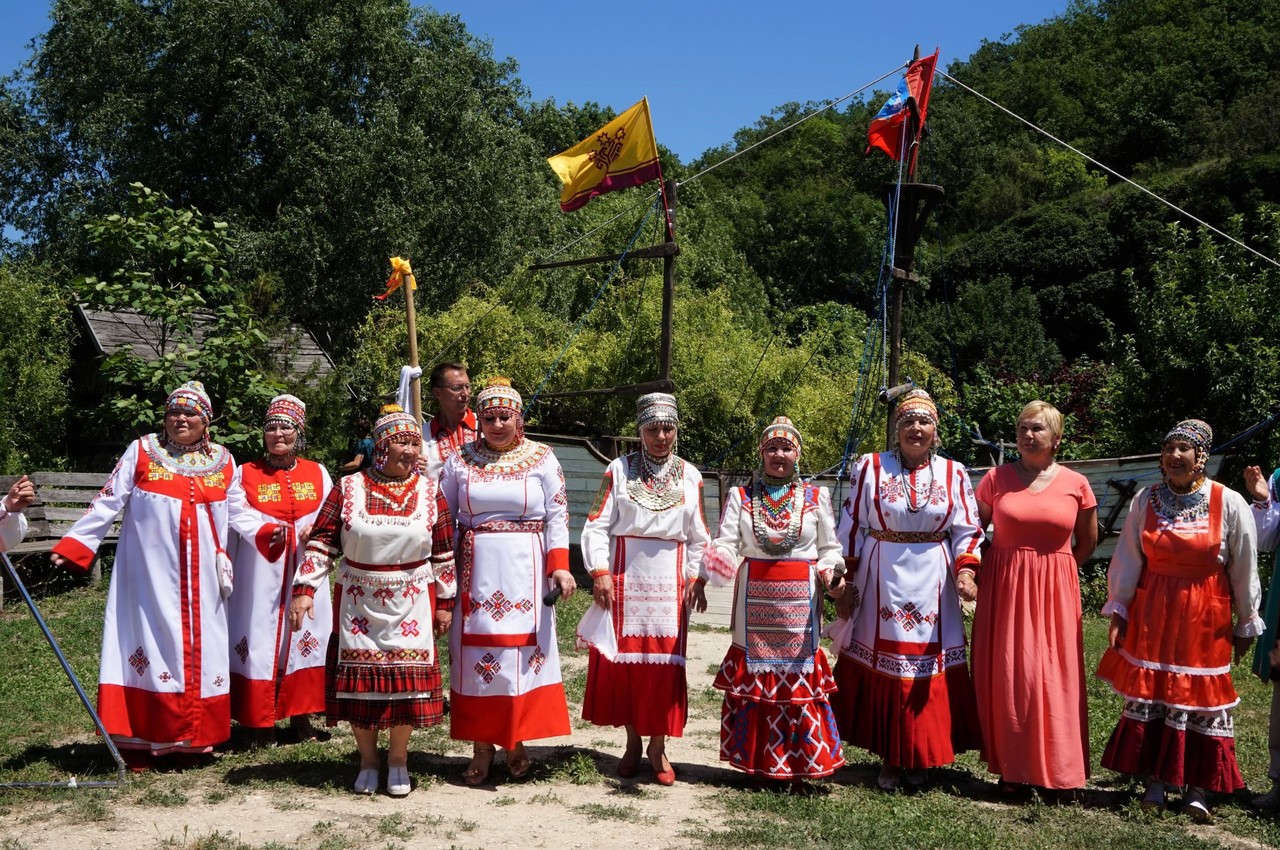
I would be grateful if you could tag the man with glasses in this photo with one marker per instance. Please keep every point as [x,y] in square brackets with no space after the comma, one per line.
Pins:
[455,423]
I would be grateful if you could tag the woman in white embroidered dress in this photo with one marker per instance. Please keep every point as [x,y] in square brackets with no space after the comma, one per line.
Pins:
[156,696]
[275,672]
[642,545]
[508,496]
[777,539]
[1186,561]
[909,524]
[394,593]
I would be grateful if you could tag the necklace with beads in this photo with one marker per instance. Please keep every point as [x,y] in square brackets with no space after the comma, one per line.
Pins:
[395,493]
[285,462]
[653,484]
[1185,507]
[776,505]
[919,494]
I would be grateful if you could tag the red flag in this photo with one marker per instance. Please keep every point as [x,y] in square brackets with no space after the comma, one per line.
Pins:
[886,128]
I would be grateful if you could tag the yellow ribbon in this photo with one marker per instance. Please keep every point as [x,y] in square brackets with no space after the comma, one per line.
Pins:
[399,269]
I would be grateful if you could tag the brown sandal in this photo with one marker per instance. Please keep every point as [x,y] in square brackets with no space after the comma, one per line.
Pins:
[481,760]
[517,761]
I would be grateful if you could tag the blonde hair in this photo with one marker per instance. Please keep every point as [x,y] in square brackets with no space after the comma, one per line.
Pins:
[1052,416]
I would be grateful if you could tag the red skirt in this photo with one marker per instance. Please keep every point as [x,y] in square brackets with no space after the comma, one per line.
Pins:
[389,703]
[778,725]
[654,698]
[909,723]
[1175,746]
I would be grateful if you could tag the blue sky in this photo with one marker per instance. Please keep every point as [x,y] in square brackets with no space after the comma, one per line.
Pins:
[708,69]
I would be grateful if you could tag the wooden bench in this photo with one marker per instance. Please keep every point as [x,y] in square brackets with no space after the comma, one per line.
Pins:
[61,499]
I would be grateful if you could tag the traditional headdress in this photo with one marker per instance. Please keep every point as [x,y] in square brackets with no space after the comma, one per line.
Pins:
[289,410]
[392,422]
[915,402]
[192,398]
[1196,432]
[657,407]
[781,430]
[498,393]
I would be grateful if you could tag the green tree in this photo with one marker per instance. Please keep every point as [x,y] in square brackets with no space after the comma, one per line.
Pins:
[170,265]
[35,343]
[331,134]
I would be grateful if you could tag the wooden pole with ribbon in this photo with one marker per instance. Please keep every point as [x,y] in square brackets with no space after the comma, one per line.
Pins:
[402,274]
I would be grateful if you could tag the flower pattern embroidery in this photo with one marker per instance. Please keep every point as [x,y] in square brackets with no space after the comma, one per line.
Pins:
[487,668]
[359,625]
[409,628]
[242,649]
[139,661]
[307,644]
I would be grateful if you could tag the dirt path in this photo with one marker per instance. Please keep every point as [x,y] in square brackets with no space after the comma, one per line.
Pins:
[549,810]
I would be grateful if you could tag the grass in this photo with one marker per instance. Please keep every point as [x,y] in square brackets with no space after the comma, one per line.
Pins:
[45,735]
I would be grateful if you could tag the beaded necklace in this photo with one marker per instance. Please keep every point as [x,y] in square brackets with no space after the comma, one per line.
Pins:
[1180,508]
[776,506]
[917,494]
[653,484]
[395,493]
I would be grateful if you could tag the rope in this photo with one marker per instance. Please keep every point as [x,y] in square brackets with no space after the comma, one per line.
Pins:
[1113,172]
[792,126]
[595,300]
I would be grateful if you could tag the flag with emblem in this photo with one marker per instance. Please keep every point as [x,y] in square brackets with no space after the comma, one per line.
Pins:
[886,128]
[620,154]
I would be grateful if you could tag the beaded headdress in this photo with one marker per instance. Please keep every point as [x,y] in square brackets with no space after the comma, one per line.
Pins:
[192,398]
[915,402]
[291,411]
[499,394]
[392,422]
[781,430]
[657,407]
[1198,433]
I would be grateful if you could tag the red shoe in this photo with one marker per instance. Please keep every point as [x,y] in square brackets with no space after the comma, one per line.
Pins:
[664,777]
[138,761]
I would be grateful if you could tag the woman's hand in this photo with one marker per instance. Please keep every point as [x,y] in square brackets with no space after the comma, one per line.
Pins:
[57,560]
[299,609]
[695,596]
[565,582]
[602,591]
[20,496]
[1115,632]
[304,535]
[443,620]
[966,587]
[278,535]
[1255,484]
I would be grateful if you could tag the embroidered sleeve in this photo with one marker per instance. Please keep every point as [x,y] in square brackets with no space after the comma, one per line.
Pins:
[1127,561]
[697,537]
[556,529]
[830,552]
[599,524]
[326,540]
[442,555]
[720,560]
[81,543]
[966,536]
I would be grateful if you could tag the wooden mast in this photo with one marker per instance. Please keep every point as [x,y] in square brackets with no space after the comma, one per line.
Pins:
[668,251]
[908,206]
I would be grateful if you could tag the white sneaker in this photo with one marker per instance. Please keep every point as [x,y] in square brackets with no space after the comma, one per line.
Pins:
[397,780]
[366,781]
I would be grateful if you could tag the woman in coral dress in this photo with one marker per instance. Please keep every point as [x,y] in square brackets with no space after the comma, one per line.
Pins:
[1185,563]
[1028,645]
[777,541]
[643,544]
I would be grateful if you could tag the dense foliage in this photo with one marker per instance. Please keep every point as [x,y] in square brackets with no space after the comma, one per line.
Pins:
[329,136]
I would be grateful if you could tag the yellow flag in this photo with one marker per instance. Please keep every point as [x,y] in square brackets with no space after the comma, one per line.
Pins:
[622,153]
